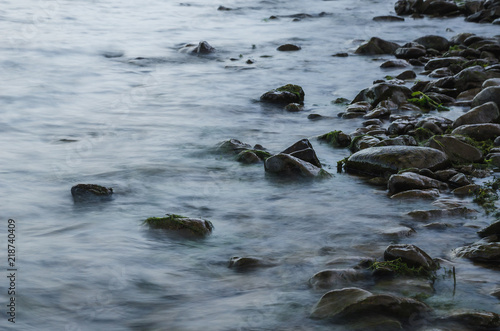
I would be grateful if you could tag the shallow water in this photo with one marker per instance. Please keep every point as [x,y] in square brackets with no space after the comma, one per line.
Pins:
[79,107]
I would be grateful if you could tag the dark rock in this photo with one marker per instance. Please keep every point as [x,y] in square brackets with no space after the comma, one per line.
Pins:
[441,72]
[363,142]
[377,46]
[472,320]
[411,181]
[468,95]
[491,82]
[284,95]
[411,255]
[399,232]
[471,77]
[181,224]
[407,75]
[285,164]
[336,139]
[379,160]
[248,263]
[341,54]
[203,47]
[223,8]
[440,213]
[395,64]
[480,132]
[384,91]
[456,150]
[434,42]
[409,52]
[335,302]
[431,194]
[490,230]
[485,113]
[444,62]
[441,8]
[388,19]
[403,140]
[303,150]
[294,107]
[467,190]
[90,192]
[232,146]
[491,93]
[288,48]
[459,180]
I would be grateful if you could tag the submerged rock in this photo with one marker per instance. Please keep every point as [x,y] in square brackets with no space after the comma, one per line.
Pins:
[485,250]
[90,192]
[331,277]
[439,213]
[431,194]
[284,95]
[181,224]
[232,146]
[203,47]
[379,160]
[247,263]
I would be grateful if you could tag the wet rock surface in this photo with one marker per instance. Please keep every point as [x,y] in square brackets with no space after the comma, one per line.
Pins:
[90,193]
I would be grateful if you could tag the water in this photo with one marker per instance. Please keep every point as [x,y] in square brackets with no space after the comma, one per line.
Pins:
[75,111]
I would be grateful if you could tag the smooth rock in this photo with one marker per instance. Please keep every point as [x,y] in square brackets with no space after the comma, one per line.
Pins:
[395,64]
[491,93]
[431,194]
[284,95]
[409,52]
[407,75]
[485,113]
[294,107]
[288,48]
[473,319]
[232,146]
[182,225]
[384,91]
[485,250]
[467,190]
[491,82]
[331,277]
[440,213]
[480,132]
[403,140]
[91,193]
[377,46]
[247,263]
[411,255]
[456,150]
[459,180]
[399,232]
[285,164]
[378,160]
[444,62]
[435,42]
[335,302]
[363,142]
[412,181]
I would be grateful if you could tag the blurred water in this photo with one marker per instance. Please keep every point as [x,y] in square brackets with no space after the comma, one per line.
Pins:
[79,107]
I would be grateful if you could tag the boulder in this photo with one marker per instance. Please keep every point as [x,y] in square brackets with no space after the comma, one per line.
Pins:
[377,46]
[471,77]
[407,75]
[409,52]
[303,150]
[456,150]
[379,160]
[232,146]
[284,95]
[480,132]
[490,230]
[467,190]
[491,82]
[441,8]
[90,193]
[486,113]
[398,94]
[444,62]
[491,93]
[395,64]
[412,255]
[412,181]
[196,227]
[285,164]
[435,42]
[485,250]
[336,139]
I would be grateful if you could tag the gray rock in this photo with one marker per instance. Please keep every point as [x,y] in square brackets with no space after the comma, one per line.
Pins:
[203,47]
[403,140]
[247,263]
[335,302]
[441,72]
[232,146]
[407,75]
[377,46]
[412,181]
[491,93]
[467,190]
[303,150]
[434,42]
[483,131]
[379,160]
[444,175]
[468,95]
[294,107]
[411,255]
[471,77]
[485,250]
[331,277]
[490,230]
[395,64]
[399,232]
[494,158]
[409,52]
[444,62]
[491,82]
[431,194]
[459,180]
[384,91]
[185,226]
[285,164]
[473,319]
[456,150]
[485,113]
[363,142]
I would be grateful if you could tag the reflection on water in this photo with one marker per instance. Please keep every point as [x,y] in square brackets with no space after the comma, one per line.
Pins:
[96,92]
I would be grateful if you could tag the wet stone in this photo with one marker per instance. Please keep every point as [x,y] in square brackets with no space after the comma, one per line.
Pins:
[411,181]
[90,193]
[411,255]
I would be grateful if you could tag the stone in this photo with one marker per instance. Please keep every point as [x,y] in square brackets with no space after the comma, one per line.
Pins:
[294,107]
[335,302]
[467,190]
[409,52]
[303,150]
[395,64]
[182,225]
[441,72]
[336,139]
[491,82]
[412,181]
[435,42]
[331,277]
[285,164]
[490,230]
[384,91]
[444,62]
[486,113]
[459,180]
[91,193]
[284,95]
[491,93]
[403,140]
[388,18]
[456,150]
[379,160]
[376,46]
[407,75]
[203,47]
[485,250]
[431,194]
[248,263]
[473,319]
[399,232]
[288,48]
[423,215]
[441,8]
[232,146]
[480,132]
[468,95]
[471,77]
[412,255]
[363,142]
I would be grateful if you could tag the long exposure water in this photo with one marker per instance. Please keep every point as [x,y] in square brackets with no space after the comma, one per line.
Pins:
[97,92]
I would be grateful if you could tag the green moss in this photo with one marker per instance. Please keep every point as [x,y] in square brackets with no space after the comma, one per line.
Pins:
[487,195]
[340,164]
[342,101]
[389,77]
[177,222]
[295,89]
[484,145]
[352,145]
[421,135]
[335,139]
[401,268]
[454,48]
[425,102]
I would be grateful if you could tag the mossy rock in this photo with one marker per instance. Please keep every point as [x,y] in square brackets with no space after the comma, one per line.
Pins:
[336,139]
[285,94]
[250,156]
[90,192]
[182,224]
